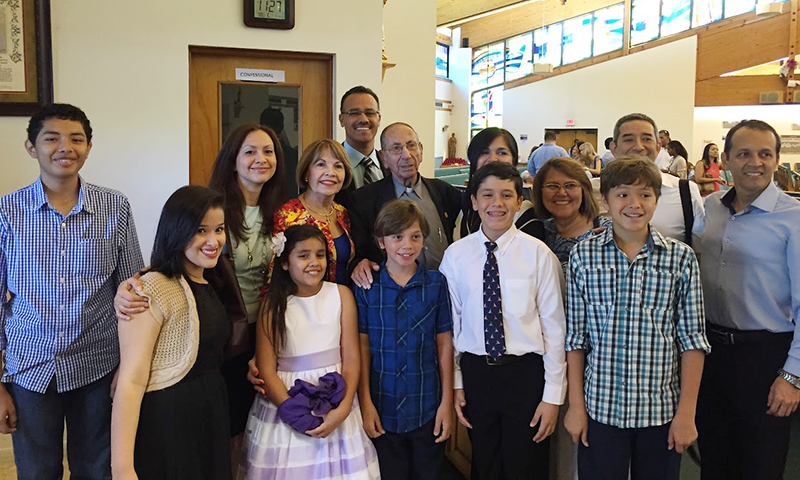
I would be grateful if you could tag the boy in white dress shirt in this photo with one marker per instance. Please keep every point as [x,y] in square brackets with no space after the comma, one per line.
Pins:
[509,328]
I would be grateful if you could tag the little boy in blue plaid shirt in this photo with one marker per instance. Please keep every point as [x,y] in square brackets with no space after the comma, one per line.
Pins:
[636,338]
[404,318]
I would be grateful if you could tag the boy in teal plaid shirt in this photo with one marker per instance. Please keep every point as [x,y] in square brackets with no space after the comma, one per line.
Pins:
[636,338]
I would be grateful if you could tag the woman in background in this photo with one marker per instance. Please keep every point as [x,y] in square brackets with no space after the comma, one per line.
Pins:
[706,171]
[677,164]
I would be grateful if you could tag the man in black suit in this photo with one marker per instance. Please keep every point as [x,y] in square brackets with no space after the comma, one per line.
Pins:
[439,201]
[361,117]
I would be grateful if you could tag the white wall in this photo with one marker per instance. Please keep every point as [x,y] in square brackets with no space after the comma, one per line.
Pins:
[596,96]
[126,65]
[407,93]
[442,119]
[708,125]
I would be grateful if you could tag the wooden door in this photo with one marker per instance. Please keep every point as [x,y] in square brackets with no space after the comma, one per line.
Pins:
[565,137]
[213,69]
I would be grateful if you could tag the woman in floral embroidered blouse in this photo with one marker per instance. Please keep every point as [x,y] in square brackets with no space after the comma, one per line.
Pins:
[322,172]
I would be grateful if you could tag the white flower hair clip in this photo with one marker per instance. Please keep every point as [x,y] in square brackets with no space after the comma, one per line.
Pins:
[278,244]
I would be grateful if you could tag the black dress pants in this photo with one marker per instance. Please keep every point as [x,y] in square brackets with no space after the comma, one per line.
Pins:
[501,401]
[413,455]
[737,439]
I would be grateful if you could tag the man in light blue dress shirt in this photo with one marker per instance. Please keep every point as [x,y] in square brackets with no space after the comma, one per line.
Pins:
[750,269]
[360,116]
[548,150]
[65,245]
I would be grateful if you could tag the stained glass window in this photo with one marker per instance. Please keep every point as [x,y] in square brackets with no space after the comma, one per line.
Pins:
[495,59]
[519,56]
[608,29]
[479,68]
[706,11]
[675,16]
[479,107]
[577,38]
[645,18]
[442,60]
[494,103]
[738,7]
[547,45]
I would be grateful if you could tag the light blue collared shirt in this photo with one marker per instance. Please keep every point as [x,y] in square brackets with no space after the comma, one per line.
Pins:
[542,155]
[357,163]
[750,265]
[62,273]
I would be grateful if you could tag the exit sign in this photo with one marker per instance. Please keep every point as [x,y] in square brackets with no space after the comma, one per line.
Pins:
[570,123]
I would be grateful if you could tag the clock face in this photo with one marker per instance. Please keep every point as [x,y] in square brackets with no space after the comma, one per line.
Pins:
[270,9]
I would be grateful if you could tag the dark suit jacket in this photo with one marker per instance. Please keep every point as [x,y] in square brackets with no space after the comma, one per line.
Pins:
[367,201]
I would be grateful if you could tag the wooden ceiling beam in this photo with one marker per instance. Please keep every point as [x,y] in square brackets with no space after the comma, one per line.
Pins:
[527,17]
[451,10]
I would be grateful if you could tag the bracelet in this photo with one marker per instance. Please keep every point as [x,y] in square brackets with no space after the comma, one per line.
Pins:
[793,380]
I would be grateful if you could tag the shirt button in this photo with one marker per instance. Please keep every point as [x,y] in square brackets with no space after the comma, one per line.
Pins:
[624,383]
[63,252]
[62,307]
[625,347]
[58,358]
[62,280]
[727,240]
[63,225]
[61,334]
[722,264]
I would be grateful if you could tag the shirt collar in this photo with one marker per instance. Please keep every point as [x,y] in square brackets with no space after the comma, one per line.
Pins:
[765,202]
[399,188]
[503,242]
[654,239]
[387,281]
[83,194]
[357,157]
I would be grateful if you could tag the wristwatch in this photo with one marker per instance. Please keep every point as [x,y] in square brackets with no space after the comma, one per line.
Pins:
[794,380]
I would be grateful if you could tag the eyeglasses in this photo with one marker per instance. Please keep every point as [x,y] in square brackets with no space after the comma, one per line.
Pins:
[412,147]
[555,187]
[355,113]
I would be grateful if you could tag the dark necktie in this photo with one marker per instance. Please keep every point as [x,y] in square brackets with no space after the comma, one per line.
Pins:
[493,332]
[369,171]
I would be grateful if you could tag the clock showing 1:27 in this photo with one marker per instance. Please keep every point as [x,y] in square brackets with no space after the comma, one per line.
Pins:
[277,14]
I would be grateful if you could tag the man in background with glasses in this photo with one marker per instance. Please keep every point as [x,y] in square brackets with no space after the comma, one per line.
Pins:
[439,201]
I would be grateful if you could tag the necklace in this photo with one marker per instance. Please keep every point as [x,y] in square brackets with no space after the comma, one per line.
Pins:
[327,216]
[259,275]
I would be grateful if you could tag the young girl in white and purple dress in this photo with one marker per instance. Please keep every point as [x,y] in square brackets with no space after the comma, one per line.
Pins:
[307,330]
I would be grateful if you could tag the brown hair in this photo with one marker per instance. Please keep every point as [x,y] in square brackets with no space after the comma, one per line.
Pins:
[628,170]
[574,170]
[224,179]
[313,151]
[397,216]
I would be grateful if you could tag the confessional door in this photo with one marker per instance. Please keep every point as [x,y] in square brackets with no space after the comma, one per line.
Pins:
[302,101]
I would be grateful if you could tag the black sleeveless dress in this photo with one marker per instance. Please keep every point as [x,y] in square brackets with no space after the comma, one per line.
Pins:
[184,429]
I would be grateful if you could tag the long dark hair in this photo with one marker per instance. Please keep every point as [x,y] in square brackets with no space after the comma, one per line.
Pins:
[182,214]
[706,158]
[471,221]
[679,148]
[281,285]
[224,180]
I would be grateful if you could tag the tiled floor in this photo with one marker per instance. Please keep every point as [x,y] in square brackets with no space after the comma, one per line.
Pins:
[689,471]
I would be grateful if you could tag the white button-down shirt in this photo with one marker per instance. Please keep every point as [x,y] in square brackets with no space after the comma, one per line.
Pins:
[533,310]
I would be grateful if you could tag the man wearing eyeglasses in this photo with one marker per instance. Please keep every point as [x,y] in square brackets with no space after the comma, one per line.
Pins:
[439,201]
[361,117]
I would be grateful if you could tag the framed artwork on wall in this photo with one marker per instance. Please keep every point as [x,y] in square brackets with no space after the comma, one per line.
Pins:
[26,58]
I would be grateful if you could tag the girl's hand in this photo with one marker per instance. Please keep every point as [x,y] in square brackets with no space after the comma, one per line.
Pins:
[372,422]
[332,419]
[252,377]
[443,422]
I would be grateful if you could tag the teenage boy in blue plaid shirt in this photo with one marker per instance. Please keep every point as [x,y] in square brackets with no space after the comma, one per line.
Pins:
[636,338]
[406,386]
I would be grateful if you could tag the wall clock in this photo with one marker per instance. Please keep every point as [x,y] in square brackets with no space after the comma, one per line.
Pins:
[277,14]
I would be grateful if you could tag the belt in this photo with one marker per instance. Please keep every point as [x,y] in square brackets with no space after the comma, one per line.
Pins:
[501,360]
[729,336]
